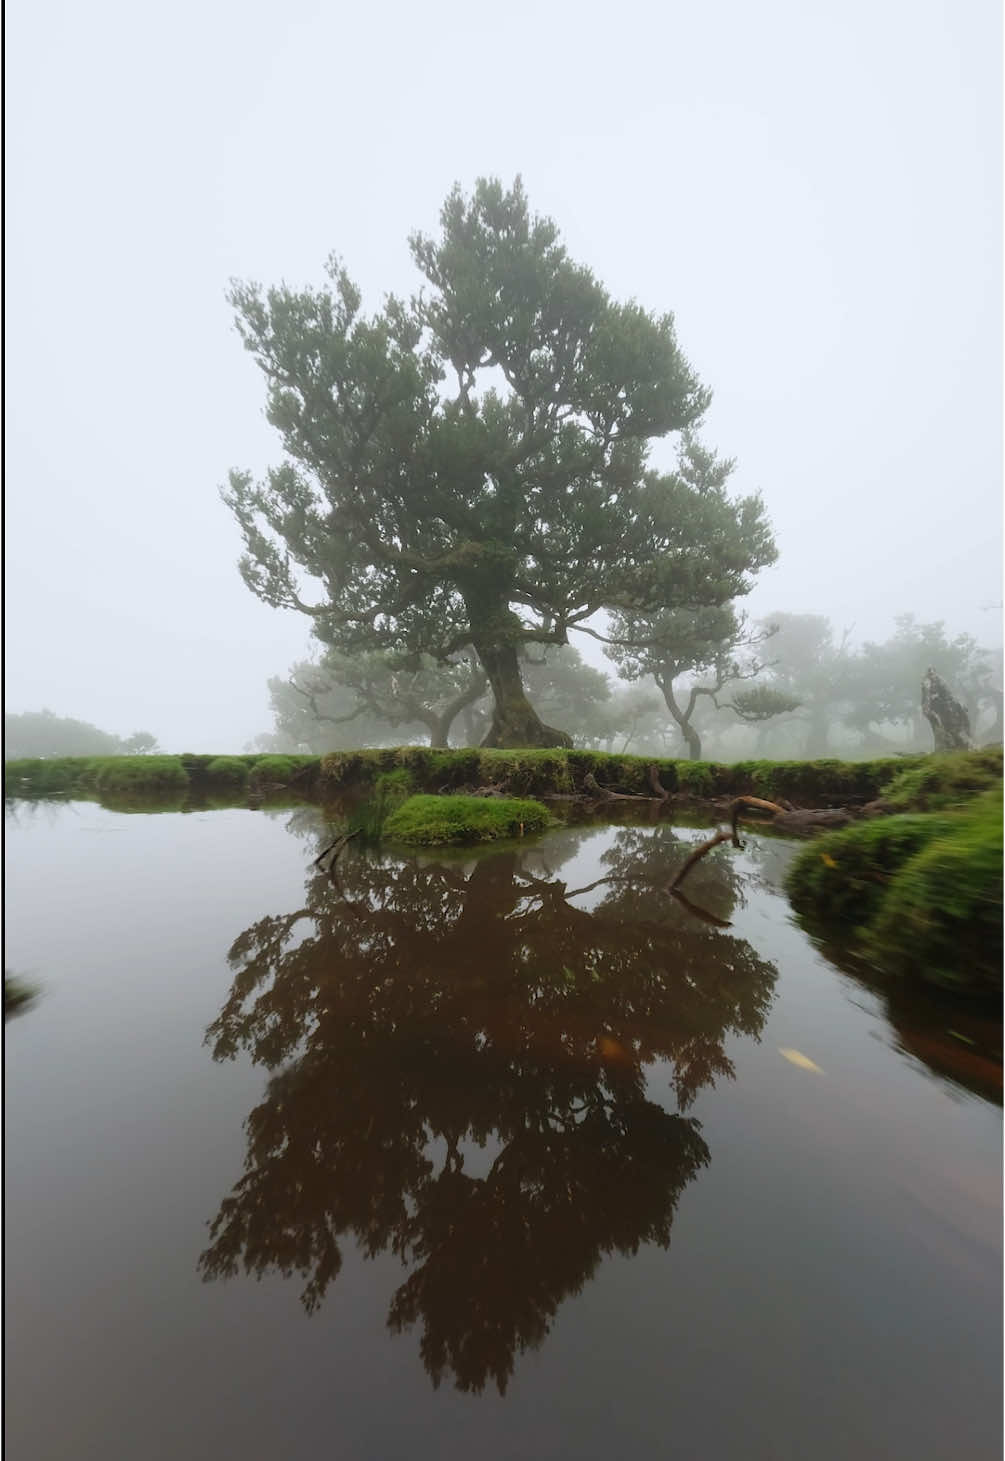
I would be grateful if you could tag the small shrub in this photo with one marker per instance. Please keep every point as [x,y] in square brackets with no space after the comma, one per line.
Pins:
[435,820]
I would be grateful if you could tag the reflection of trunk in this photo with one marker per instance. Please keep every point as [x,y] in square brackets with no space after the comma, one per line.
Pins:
[515,722]
[683,717]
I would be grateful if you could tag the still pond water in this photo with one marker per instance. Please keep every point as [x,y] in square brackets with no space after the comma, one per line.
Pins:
[528,1159]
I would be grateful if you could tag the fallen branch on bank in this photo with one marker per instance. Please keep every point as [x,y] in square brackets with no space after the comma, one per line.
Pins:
[595,792]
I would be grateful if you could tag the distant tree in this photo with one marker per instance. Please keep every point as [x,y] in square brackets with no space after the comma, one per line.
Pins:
[140,743]
[696,650]
[810,667]
[885,680]
[42,733]
[504,510]
[875,692]
[394,694]
[313,713]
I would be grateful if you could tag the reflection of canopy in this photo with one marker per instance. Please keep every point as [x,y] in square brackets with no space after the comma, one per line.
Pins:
[476,1005]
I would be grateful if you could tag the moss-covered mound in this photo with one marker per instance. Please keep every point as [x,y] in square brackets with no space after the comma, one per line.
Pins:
[917,894]
[946,780]
[434,820]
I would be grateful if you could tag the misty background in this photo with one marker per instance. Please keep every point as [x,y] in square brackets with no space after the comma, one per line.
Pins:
[815,192]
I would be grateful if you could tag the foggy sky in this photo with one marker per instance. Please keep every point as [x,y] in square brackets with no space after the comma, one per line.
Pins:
[815,191]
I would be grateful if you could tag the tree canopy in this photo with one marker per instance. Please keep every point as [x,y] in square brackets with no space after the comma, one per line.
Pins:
[470,467]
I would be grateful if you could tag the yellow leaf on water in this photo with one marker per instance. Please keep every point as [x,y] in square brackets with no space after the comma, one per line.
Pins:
[796,1057]
[827,860]
[611,1050]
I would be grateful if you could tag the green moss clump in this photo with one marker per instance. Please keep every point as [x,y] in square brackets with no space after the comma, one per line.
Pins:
[227,771]
[278,770]
[43,777]
[432,820]
[124,775]
[843,877]
[918,894]
[943,910]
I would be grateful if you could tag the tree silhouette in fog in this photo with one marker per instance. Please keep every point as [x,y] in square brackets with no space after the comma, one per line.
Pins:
[421,1010]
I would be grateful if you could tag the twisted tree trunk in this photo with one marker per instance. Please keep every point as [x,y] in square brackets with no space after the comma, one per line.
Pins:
[515,722]
[682,715]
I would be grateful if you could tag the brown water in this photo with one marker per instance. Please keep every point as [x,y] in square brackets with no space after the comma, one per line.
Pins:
[527,1158]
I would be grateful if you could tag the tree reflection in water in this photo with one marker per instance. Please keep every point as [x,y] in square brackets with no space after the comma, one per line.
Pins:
[425,1007]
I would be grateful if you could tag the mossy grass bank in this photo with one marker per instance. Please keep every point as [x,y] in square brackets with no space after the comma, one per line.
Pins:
[918,893]
[552,772]
[121,782]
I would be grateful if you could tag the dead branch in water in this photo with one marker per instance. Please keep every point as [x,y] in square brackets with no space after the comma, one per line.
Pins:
[788,819]
[723,835]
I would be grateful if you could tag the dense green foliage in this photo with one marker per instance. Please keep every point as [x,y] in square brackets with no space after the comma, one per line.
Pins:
[695,650]
[432,820]
[506,509]
[36,733]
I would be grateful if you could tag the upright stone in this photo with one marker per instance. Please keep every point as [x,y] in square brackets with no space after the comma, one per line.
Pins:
[948,718]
